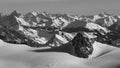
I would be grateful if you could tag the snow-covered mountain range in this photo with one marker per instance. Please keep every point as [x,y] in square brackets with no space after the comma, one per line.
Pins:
[53,30]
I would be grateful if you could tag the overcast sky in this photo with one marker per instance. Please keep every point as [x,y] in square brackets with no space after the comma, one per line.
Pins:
[61,6]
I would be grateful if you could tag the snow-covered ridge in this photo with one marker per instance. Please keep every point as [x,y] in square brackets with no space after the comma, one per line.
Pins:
[45,29]
[55,30]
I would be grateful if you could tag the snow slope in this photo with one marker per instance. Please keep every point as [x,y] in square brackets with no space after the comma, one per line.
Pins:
[19,56]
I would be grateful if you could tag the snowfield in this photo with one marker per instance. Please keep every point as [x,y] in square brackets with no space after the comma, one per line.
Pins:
[20,56]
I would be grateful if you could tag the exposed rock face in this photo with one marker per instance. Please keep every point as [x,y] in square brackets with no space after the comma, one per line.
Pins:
[35,29]
[82,46]
[53,30]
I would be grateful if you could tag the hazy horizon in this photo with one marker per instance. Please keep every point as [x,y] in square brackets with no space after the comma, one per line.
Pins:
[81,7]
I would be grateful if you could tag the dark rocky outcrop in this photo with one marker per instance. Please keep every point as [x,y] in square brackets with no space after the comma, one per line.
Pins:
[82,46]
[56,30]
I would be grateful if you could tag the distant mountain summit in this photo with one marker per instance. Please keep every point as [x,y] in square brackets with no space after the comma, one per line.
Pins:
[53,30]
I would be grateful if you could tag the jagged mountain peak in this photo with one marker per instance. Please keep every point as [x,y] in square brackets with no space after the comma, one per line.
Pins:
[45,29]
[15,13]
[104,14]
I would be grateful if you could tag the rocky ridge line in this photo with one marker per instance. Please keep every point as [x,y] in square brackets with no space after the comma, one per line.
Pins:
[53,30]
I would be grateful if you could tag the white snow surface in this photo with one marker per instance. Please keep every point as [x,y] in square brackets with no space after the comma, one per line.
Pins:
[20,56]
[93,26]
[100,49]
